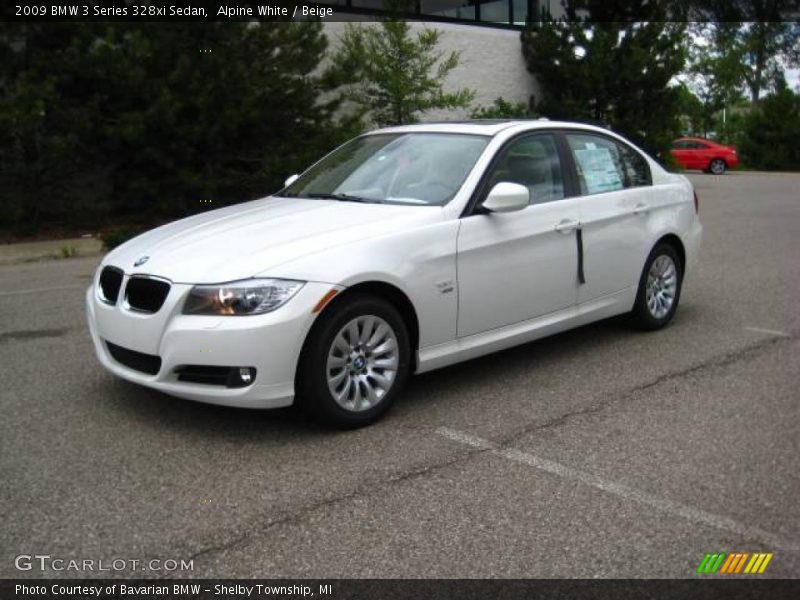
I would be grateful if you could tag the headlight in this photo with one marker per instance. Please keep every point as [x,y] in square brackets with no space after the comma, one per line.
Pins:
[248,297]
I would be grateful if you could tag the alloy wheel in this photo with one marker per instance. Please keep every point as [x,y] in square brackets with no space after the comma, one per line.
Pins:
[662,285]
[717,167]
[362,363]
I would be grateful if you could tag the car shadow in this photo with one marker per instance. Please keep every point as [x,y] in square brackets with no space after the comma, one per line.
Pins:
[162,410]
[156,409]
[499,365]
[539,354]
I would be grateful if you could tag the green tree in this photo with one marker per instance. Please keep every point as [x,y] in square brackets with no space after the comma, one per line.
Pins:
[715,62]
[608,69]
[715,70]
[149,120]
[772,130]
[503,109]
[692,112]
[748,45]
[48,167]
[394,76]
[731,129]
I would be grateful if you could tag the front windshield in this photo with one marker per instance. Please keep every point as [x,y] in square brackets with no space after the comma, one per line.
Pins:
[397,168]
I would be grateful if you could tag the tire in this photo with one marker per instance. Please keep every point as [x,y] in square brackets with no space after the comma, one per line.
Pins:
[334,365]
[717,166]
[659,289]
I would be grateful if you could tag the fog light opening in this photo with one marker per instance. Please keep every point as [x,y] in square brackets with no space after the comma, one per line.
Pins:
[241,376]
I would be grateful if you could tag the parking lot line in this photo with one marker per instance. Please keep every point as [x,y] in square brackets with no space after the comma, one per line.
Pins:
[769,331]
[662,504]
[47,289]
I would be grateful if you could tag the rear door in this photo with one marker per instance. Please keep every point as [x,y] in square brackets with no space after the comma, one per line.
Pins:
[704,154]
[614,181]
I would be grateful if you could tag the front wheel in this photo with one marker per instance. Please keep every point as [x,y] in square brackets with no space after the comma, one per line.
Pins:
[659,289]
[354,363]
[717,166]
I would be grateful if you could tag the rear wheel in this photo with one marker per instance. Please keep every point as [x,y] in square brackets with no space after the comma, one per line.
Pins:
[717,166]
[659,289]
[355,362]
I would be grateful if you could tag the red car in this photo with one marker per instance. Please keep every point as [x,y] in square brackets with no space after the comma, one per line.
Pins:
[708,156]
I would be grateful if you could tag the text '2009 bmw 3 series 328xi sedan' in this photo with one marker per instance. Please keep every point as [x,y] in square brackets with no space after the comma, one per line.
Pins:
[405,250]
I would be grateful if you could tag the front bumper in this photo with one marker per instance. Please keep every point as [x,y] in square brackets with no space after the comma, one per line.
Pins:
[270,342]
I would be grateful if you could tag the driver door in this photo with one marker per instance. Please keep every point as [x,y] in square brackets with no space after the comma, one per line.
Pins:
[520,265]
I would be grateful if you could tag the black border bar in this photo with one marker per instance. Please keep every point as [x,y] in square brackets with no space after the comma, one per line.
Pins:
[32,11]
[713,588]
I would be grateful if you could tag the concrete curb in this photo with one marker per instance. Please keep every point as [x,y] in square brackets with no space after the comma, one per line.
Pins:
[49,250]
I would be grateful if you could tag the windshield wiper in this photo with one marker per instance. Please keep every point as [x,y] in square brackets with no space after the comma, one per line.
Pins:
[345,198]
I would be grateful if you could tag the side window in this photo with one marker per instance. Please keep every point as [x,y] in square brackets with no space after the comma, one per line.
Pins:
[599,163]
[531,161]
[637,171]
[604,165]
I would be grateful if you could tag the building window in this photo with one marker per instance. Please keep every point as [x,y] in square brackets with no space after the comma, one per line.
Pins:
[464,10]
[371,4]
[509,13]
[520,10]
[495,11]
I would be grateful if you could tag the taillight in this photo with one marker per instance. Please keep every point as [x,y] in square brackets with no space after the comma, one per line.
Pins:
[696,204]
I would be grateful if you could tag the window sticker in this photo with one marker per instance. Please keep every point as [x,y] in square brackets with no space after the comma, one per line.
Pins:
[598,169]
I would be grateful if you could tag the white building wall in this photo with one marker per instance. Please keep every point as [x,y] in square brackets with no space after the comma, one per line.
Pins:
[491,63]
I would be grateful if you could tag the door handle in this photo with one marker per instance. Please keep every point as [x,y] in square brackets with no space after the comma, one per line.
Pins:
[567,225]
[641,209]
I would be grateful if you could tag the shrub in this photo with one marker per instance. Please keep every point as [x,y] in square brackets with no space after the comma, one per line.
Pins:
[95,122]
[395,76]
[772,131]
[503,109]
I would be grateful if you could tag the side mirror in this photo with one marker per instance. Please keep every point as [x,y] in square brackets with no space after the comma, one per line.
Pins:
[507,197]
[290,180]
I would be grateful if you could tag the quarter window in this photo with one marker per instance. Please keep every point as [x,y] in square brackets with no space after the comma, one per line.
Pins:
[637,171]
[531,161]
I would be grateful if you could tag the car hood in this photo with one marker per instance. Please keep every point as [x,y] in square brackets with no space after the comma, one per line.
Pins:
[246,240]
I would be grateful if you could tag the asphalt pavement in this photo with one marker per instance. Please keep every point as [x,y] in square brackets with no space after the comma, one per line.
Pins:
[601,452]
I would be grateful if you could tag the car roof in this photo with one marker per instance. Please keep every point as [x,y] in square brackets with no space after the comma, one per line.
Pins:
[488,127]
[690,138]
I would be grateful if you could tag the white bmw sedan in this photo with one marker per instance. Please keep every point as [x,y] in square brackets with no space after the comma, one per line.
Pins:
[405,250]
